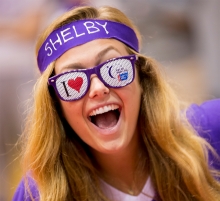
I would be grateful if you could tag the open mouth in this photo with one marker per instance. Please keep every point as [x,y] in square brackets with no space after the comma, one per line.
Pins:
[105,117]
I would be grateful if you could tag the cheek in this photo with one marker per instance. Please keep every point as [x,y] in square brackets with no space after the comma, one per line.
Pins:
[132,93]
[72,112]
[133,99]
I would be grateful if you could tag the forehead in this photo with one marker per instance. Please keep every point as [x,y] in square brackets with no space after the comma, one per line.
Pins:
[90,54]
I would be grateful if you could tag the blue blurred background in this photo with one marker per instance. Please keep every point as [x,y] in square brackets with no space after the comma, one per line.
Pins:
[182,35]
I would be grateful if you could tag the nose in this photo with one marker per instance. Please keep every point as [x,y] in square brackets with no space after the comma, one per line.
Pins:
[97,88]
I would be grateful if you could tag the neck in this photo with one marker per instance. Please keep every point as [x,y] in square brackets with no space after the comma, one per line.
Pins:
[120,169]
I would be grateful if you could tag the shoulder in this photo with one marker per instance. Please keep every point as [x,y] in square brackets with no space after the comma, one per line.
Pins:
[25,190]
[205,119]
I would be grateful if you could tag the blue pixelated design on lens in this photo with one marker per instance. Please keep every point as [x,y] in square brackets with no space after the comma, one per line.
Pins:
[123,76]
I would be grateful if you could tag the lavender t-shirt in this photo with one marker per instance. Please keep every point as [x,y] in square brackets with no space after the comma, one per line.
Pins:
[204,118]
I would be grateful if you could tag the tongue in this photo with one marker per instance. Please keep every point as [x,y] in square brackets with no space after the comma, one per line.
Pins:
[106,120]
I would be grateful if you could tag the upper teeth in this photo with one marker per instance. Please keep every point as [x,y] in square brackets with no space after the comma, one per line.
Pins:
[104,109]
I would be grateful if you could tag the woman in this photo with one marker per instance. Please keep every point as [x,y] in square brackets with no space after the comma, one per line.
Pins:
[105,125]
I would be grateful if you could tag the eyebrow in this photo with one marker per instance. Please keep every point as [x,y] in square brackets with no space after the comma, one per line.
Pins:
[103,52]
[98,58]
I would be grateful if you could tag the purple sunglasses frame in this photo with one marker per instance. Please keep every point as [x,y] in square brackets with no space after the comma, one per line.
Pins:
[89,72]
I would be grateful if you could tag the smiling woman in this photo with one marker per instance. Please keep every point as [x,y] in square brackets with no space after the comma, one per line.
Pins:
[105,124]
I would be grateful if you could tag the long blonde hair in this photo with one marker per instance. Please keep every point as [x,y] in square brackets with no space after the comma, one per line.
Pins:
[61,165]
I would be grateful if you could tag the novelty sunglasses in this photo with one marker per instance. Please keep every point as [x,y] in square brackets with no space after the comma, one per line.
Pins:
[114,73]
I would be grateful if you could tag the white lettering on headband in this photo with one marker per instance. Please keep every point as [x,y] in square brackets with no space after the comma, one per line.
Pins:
[80,32]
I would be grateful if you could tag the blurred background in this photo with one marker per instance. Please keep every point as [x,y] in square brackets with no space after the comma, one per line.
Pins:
[182,35]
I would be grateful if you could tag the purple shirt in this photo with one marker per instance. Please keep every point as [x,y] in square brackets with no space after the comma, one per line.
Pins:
[22,194]
[204,118]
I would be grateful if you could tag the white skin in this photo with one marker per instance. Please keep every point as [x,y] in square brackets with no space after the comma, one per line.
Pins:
[114,148]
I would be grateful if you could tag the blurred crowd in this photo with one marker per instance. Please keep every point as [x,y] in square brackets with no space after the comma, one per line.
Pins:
[183,36]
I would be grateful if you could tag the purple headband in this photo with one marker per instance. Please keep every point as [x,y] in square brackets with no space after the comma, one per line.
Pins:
[80,32]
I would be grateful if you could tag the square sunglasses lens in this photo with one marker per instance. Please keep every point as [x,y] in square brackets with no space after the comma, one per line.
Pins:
[72,86]
[117,73]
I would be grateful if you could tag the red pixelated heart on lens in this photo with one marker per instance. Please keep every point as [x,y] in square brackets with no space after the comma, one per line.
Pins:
[76,84]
